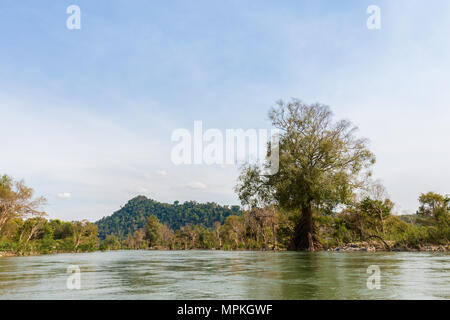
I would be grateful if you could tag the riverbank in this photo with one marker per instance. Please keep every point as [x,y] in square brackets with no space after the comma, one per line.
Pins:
[349,247]
[7,254]
[391,246]
[4,254]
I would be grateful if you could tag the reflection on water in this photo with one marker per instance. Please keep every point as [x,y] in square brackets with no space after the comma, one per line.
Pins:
[226,275]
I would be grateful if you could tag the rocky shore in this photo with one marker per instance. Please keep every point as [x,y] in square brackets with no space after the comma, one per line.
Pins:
[6,254]
[349,247]
[377,246]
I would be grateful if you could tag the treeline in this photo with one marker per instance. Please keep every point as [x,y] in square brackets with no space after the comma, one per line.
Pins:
[41,236]
[372,219]
[25,230]
[134,214]
[366,219]
[254,230]
[317,194]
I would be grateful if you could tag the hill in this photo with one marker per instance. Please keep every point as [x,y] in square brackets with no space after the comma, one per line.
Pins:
[134,214]
[416,219]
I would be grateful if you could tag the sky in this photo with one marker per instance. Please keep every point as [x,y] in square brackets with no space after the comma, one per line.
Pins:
[86,115]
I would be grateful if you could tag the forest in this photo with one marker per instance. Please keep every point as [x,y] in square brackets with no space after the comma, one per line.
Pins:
[266,228]
[322,197]
[134,214]
[270,229]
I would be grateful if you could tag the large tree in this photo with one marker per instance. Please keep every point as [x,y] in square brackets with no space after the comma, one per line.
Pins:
[433,204]
[153,230]
[321,162]
[17,201]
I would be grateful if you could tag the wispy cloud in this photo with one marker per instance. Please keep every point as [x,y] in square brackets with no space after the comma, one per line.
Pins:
[196,185]
[101,127]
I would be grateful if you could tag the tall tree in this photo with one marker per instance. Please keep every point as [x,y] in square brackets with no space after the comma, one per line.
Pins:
[376,204]
[153,230]
[321,162]
[85,233]
[375,212]
[16,200]
[433,204]
[234,229]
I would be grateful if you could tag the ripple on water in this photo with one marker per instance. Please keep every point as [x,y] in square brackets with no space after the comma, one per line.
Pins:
[227,275]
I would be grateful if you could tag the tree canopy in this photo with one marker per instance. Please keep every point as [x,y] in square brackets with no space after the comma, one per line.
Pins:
[321,162]
[133,216]
[433,204]
[16,200]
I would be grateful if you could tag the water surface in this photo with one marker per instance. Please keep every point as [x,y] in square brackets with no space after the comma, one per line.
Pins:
[227,275]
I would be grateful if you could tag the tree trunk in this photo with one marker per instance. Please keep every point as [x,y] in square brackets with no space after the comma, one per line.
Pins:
[305,235]
[382,221]
[275,244]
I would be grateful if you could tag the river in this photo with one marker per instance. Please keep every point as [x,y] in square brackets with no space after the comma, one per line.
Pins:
[227,275]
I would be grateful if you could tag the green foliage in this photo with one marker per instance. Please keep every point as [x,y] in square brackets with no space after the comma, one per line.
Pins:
[7,246]
[133,216]
[62,230]
[433,205]
[150,224]
[17,201]
[110,243]
[38,235]
[153,230]
[321,162]
[341,233]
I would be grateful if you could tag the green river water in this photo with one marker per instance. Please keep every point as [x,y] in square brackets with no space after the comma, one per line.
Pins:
[227,275]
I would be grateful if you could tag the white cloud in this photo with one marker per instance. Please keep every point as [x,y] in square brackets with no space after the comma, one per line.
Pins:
[64,195]
[143,190]
[403,110]
[196,185]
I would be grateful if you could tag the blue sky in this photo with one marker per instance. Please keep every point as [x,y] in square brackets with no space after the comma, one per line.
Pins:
[90,112]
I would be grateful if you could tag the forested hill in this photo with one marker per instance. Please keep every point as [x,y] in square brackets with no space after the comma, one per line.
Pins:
[134,214]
